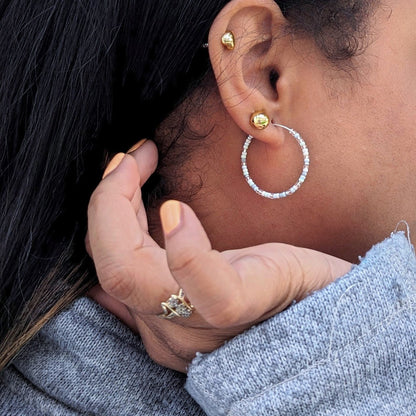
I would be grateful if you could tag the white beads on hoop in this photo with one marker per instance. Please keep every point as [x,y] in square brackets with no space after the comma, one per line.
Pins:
[296,186]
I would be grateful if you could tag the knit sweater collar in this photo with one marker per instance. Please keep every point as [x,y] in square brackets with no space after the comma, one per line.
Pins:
[85,360]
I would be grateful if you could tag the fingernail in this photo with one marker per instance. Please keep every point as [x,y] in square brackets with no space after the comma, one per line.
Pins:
[170,214]
[137,145]
[114,162]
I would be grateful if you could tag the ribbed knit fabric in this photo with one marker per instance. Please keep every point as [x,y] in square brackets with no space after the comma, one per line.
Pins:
[349,349]
[86,362]
[346,350]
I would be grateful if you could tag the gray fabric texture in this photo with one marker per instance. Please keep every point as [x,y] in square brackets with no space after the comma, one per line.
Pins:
[85,362]
[346,350]
[349,349]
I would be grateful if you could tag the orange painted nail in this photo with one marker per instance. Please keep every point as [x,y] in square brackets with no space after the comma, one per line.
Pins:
[170,214]
[137,145]
[114,162]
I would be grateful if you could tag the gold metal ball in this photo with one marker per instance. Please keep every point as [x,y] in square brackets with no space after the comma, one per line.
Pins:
[259,120]
[228,40]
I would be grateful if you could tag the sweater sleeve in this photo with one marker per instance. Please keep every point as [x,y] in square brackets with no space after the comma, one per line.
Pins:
[86,362]
[349,349]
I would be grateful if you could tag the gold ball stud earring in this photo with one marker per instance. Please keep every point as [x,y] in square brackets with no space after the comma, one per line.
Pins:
[259,120]
[228,40]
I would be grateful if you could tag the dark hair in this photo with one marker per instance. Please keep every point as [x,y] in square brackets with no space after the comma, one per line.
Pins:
[78,81]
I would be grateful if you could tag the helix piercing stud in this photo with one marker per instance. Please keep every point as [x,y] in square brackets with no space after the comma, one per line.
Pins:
[228,40]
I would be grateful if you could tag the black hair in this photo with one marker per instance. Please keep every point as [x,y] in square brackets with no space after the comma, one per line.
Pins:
[78,81]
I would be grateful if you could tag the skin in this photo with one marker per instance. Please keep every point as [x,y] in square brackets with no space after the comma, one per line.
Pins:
[359,126]
[230,291]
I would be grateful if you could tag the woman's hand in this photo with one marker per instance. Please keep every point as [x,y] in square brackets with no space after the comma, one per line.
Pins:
[230,291]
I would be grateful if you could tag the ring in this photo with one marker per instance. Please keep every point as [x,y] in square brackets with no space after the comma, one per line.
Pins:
[177,307]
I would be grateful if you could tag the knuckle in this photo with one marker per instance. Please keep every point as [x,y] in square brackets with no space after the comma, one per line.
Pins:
[115,278]
[183,351]
[98,198]
[168,350]
[183,263]
[229,313]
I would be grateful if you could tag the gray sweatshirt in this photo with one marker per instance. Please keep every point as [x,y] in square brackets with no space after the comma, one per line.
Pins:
[349,349]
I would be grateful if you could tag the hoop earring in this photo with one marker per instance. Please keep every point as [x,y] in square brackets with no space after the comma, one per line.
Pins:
[299,182]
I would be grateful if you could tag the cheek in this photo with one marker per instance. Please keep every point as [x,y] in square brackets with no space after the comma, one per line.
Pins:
[387,126]
[388,83]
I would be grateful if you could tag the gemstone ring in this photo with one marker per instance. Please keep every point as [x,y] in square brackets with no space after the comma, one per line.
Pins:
[177,306]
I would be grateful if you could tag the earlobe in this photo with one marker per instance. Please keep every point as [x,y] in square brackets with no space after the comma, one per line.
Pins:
[244,50]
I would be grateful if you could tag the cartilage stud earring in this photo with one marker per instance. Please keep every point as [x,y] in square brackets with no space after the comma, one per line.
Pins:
[228,40]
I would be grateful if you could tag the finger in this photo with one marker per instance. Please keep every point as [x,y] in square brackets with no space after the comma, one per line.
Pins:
[209,281]
[130,266]
[240,286]
[112,165]
[158,346]
[113,305]
[274,275]
[136,146]
[146,156]
[88,244]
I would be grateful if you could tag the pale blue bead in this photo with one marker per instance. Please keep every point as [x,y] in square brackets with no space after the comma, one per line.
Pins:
[295,187]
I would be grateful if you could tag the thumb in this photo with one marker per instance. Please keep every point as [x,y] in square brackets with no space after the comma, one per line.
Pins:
[207,278]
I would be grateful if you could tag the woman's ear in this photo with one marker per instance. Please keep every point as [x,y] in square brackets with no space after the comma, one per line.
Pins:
[247,62]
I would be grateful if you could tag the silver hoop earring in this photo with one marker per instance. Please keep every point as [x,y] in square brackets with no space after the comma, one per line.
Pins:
[296,186]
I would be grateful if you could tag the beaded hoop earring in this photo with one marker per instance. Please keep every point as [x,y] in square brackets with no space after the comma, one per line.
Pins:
[296,186]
